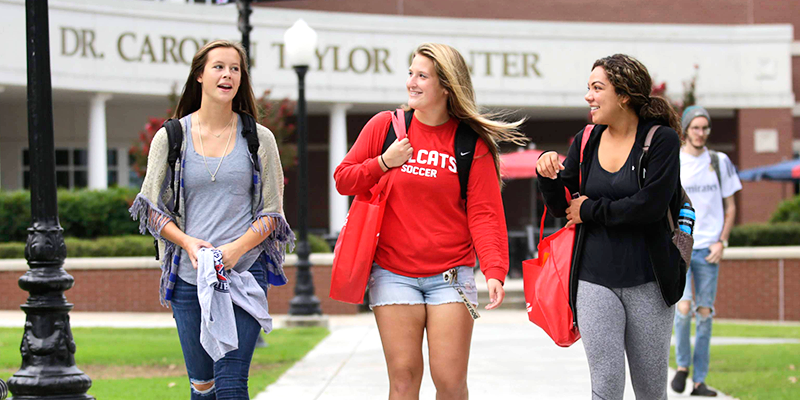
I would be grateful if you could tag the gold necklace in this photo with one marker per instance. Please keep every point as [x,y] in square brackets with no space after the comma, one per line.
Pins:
[224,153]
[221,130]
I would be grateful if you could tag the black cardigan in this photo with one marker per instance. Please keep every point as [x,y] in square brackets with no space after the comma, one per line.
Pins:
[645,211]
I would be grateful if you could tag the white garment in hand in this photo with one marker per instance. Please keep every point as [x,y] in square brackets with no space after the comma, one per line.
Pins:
[218,324]
[218,290]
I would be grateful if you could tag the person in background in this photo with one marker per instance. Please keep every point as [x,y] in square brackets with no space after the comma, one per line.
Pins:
[710,180]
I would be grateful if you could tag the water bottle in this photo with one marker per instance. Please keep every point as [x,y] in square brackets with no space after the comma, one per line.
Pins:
[686,218]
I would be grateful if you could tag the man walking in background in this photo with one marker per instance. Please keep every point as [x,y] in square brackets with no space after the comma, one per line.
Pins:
[710,181]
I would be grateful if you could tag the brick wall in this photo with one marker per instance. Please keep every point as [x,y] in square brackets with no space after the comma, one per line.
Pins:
[749,289]
[637,11]
[136,290]
[758,200]
[279,296]
[653,11]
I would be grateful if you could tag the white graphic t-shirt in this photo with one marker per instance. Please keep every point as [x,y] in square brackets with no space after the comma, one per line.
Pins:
[700,182]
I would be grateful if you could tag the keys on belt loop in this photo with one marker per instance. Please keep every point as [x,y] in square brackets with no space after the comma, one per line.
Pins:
[451,276]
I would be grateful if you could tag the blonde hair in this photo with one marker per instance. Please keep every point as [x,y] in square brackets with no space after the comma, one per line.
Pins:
[454,77]
[243,102]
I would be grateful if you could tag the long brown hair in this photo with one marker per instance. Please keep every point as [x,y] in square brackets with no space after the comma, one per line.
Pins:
[243,102]
[631,78]
[454,77]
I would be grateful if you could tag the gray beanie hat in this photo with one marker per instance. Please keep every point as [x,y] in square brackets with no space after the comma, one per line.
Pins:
[691,113]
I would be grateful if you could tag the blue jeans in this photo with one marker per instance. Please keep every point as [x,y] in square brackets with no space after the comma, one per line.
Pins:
[229,374]
[704,275]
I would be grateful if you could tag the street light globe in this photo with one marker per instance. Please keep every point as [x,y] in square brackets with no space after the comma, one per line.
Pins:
[300,42]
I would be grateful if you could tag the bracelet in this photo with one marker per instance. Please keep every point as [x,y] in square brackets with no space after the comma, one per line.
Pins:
[384,162]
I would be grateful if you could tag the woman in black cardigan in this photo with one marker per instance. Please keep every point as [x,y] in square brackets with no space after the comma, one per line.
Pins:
[626,273]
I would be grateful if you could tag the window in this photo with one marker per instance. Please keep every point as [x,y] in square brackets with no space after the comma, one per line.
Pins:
[72,168]
[134,180]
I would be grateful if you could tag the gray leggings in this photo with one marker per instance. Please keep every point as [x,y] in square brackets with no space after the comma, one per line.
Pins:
[631,320]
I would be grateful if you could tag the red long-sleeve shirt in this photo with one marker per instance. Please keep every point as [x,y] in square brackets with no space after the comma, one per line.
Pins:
[426,228]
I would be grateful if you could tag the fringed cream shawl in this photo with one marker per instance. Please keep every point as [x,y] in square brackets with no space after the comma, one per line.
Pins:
[154,206]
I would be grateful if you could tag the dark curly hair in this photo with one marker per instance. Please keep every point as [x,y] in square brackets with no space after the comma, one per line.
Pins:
[630,78]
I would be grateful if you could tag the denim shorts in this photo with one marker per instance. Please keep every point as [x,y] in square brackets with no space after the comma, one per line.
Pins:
[387,288]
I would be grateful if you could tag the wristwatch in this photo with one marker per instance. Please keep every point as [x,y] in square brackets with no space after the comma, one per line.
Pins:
[724,243]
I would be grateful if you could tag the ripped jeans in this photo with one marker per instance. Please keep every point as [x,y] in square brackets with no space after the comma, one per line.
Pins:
[704,276]
[229,375]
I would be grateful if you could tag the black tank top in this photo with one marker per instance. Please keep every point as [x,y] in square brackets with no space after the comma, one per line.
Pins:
[614,256]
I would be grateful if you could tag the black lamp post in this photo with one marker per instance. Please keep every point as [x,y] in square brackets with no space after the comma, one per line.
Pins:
[48,352]
[244,26]
[300,43]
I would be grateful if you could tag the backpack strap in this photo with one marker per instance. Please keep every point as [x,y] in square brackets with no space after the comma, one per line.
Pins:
[250,133]
[466,139]
[682,197]
[649,139]
[587,132]
[174,143]
[391,136]
[464,147]
[715,164]
[175,139]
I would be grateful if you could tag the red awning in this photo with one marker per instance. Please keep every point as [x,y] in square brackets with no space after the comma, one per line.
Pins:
[520,164]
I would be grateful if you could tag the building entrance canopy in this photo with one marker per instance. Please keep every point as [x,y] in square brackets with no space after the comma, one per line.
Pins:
[141,47]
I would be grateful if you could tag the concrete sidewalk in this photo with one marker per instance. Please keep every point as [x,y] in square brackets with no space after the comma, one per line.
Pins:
[510,359]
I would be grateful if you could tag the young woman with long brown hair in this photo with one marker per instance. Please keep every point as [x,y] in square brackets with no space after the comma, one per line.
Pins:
[225,191]
[626,272]
[430,234]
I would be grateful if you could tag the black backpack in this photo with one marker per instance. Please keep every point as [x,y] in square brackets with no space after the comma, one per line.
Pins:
[682,240]
[465,141]
[175,139]
[715,165]
[175,136]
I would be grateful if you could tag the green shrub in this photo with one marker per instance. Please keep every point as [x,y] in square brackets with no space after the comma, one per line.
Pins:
[318,244]
[120,246]
[778,234]
[15,215]
[788,211]
[87,214]
[82,213]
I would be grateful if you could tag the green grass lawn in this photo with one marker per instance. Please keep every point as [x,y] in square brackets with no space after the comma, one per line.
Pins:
[754,372]
[148,364]
[735,329]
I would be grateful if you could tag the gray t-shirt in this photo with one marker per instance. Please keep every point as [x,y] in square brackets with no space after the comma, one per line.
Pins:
[218,212]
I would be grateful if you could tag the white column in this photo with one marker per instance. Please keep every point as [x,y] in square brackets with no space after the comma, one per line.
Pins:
[337,145]
[98,163]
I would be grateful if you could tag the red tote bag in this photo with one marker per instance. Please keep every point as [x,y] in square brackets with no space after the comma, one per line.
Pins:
[546,279]
[546,285]
[358,239]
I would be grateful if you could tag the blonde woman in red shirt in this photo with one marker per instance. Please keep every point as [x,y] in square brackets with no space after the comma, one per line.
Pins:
[430,234]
